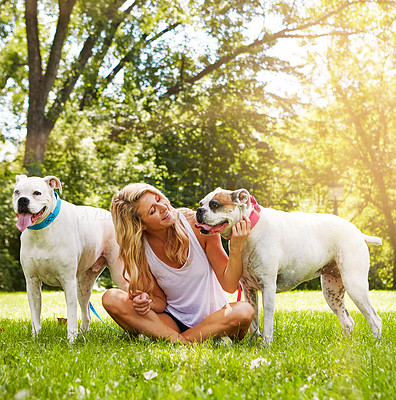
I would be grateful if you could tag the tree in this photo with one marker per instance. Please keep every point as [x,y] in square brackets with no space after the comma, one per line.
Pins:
[133,50]
[354,125]
[370,115]
[213,139]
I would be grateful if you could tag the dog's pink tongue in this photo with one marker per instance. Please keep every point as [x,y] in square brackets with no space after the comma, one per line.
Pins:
[219,228]
[24,221]
[212,229]
[203,226]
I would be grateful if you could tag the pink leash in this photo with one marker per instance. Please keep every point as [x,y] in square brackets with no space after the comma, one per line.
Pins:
[239,297]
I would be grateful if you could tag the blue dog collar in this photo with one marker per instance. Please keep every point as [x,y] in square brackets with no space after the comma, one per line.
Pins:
[50,217]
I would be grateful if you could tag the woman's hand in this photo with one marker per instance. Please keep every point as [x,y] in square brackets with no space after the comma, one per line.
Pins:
[240,232]
[141,303]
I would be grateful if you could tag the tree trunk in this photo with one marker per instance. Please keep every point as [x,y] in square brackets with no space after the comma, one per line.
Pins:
[40,84]
[38,131]
[387,209]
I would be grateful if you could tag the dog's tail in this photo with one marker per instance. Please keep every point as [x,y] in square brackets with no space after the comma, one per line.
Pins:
[374,240]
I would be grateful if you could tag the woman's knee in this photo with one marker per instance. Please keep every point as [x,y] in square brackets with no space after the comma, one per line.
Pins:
[246,312]
[112,299]
[243,313]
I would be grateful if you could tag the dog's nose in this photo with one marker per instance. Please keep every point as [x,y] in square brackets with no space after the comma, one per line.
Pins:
[23,201]
[23,204]
[199,215]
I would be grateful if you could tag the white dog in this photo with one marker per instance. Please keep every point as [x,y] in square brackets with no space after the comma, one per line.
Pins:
[63,245]
[286,249]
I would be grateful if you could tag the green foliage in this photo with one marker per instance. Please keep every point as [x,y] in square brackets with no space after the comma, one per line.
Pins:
[13,57]
[172,94]
[93,168]
[347,135]
[11,276]
[211,142]
[9,234]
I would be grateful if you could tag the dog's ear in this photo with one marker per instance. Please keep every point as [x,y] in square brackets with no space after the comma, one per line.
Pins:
[20,177]
[53,182]
[241,196]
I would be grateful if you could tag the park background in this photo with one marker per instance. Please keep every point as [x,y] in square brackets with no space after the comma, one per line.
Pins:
[283,98]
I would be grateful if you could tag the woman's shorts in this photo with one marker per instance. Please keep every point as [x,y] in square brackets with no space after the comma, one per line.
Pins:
[180,324]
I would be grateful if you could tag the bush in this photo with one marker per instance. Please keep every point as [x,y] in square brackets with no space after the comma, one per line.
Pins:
[11,274]
[380,276]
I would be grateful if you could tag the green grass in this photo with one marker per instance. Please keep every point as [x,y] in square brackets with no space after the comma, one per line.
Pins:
[309,358]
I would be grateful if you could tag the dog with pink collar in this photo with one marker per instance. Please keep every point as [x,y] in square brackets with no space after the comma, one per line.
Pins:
[285,249]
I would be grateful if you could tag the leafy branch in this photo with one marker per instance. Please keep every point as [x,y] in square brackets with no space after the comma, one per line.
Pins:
[267,38]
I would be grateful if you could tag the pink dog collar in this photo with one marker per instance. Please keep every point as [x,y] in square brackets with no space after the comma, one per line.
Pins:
[255,214]
[254,217]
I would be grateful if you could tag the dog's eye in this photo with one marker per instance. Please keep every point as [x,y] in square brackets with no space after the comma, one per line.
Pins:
[36,193]
[16,192]
[214,205]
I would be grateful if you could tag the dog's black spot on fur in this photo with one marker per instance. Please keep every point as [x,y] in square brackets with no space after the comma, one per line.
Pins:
[234,197]
[214,205]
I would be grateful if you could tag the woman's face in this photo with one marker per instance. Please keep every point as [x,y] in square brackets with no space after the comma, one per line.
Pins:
[155,211]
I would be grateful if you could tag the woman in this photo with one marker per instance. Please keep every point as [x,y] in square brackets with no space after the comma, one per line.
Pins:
[176,275]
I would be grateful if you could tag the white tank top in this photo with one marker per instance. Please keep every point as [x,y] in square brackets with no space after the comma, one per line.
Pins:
[192,291]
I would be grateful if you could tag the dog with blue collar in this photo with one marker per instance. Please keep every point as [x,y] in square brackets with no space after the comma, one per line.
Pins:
[63,245]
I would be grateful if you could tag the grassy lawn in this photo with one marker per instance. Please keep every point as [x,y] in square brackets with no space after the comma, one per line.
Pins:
[309,358]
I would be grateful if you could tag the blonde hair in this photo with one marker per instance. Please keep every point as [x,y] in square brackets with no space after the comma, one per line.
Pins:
[130,236]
